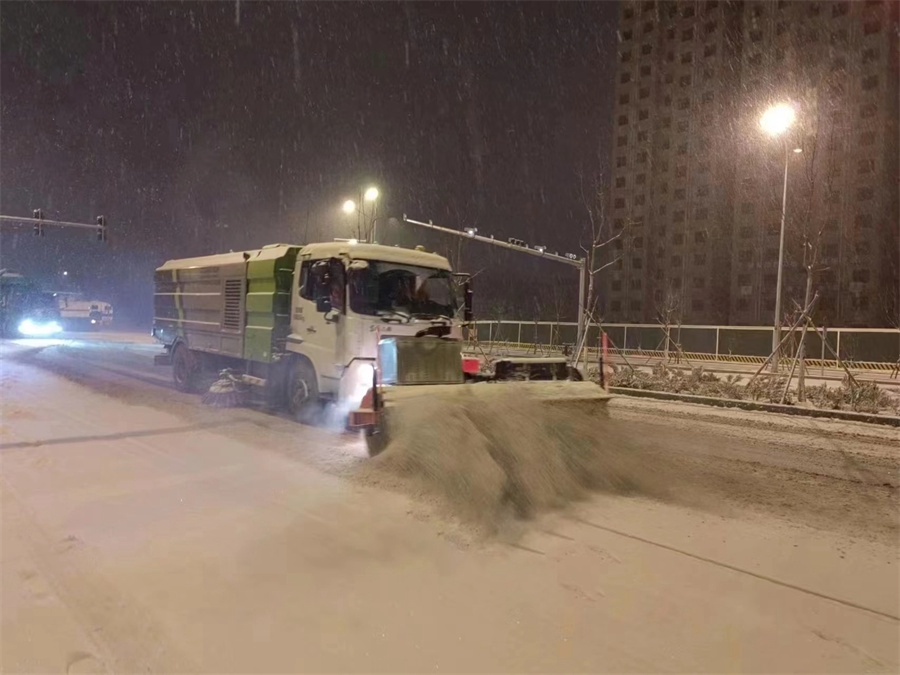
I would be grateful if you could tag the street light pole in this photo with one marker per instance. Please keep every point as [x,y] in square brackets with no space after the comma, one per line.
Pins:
[776,121]
[776,334]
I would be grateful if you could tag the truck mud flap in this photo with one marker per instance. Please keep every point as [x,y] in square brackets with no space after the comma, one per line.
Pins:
[162,359]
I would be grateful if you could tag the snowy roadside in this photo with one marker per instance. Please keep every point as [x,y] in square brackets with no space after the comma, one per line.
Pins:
[765,426]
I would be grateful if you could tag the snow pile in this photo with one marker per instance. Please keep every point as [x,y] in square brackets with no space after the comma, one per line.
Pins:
[493,453]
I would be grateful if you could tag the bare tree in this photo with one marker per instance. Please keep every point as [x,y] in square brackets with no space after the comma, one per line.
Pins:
[599,236]
[669,313]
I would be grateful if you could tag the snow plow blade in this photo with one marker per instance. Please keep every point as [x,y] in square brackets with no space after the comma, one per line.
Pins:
[394,407]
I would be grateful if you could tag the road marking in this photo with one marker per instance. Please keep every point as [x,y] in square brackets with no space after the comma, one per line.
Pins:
[773,580]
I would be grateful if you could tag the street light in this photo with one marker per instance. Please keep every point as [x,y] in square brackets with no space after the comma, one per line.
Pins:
[349,206]
[371,194]
[775,121]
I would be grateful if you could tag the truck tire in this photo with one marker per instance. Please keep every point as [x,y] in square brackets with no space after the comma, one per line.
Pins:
[185,369]
[303,392]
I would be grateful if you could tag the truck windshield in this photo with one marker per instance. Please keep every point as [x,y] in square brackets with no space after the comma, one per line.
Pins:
[377,288]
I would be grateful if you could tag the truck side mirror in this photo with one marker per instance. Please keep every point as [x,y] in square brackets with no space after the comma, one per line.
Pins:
[323,304]
[467,301]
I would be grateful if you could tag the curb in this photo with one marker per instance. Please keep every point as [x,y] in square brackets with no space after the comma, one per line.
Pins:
[849,415]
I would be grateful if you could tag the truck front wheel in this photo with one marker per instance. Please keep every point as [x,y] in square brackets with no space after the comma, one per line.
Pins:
[185,369]
[303,392]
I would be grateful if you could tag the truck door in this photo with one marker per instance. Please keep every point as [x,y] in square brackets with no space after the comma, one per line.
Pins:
[318,318]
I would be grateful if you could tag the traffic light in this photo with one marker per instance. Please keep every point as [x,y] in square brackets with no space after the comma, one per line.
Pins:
[101,229]
[39,226]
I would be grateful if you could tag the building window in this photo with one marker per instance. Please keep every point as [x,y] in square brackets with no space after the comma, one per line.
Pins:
[623,120]
[666,122]
[711,5]
[684,103]
[621,182]
[684,80]
[626,56]
[642,157]
[645,71]
[682,149]
[619,203]
[637,263]
[871,27]
[709,50]
[670,34]
[639,200]
[702,214]
[866,166]
[699,282]
[617,285]
[861,276]
[682,126]
[676,261]
[625,77]
[869,55]
[669,78]
[864,194]
[641,178]
[699,259]
[779,54]
[697,304]
[703,167]
[643,93]
[642,137]
[628,13]
[863,220]
[670,57]
[679,193]
[648,27]
[707,97]
[743,279]
[756,59]
[646,49]
[624,99]
[709,28]
[700,237]
[756,35]
[643,114]
[678,217]
[867,110]
[757,10]
[703,191]
[680,171]
[831,251]
[626,35]
[870,82]
[687,34]
[780,28]
[636,305]
[621,141]
[839,37]
[746,255]
[687,57]
[638,242]
[688,12]
[746,232]
[615,305]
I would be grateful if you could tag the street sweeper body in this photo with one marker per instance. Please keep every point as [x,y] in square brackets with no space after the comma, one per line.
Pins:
[303,322]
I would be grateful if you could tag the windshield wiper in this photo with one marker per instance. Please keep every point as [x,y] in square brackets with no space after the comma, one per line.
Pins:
[431,315]
[393,314]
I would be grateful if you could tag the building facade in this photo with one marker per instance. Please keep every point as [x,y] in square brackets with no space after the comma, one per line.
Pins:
[697,186]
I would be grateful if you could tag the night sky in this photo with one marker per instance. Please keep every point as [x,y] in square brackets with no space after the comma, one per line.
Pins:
[200,127]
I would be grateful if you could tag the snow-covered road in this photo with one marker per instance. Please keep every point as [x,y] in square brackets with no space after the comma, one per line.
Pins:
[144,532]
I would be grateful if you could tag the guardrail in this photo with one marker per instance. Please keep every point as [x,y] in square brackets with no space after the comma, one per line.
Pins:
[857,348]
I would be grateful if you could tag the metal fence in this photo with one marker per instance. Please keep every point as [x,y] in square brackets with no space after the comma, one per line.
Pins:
[866,348]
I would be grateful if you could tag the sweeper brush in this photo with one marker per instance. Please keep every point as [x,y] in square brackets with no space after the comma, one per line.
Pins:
[227,392]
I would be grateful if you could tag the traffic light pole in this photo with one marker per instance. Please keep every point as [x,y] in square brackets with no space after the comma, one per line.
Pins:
[569,259]
[39,222]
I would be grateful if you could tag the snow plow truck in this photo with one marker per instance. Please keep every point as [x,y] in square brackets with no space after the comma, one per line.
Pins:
[345,323]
